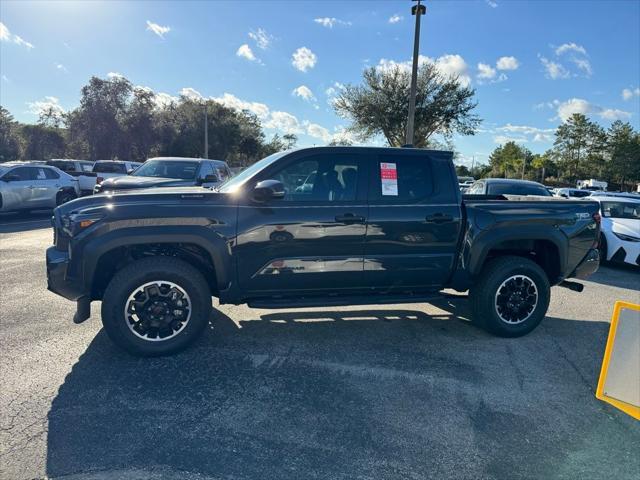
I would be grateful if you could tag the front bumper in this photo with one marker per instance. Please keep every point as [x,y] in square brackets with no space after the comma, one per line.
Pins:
[58,279]
[588,266]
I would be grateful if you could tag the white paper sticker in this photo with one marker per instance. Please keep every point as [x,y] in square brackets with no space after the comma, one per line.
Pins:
[389,179]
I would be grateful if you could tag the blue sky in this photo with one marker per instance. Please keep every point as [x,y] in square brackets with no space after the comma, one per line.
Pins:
[532,63]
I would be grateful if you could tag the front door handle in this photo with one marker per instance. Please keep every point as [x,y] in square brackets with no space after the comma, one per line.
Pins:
[438,218]
[349,218]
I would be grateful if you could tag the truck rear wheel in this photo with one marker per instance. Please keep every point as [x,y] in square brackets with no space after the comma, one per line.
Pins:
[156,306]
[510,297]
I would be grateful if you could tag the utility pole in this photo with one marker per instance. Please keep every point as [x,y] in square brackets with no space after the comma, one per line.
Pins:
[206,132]
[416,10]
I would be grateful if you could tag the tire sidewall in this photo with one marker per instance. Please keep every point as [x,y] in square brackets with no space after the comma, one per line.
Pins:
[115,299]
[493,322]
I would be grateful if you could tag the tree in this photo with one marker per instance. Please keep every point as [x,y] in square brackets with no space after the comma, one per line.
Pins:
[381,104]
[9,138]
[623,146]
[42,142]
[579,140]
[510,160]
[140,124]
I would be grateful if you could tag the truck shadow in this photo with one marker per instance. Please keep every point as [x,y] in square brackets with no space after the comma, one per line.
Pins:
[25,221]
[619,275]
[381,393]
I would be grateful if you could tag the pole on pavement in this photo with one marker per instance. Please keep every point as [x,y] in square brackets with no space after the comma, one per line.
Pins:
[416,10]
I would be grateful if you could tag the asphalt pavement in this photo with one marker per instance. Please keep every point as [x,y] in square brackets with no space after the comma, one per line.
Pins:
[394,391]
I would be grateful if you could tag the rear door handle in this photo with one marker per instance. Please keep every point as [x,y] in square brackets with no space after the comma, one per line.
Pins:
[438,218]
[349,218]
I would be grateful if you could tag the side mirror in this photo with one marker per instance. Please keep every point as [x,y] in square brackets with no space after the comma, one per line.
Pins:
[11,178]
[130,171]
[267,190]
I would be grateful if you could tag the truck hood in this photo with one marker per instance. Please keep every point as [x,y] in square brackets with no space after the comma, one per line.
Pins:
[151,197]
[129,182]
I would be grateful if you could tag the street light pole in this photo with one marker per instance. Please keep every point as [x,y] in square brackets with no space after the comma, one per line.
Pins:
[416,10]
[206,133]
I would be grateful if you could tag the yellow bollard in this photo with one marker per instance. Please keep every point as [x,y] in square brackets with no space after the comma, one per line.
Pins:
[619,382]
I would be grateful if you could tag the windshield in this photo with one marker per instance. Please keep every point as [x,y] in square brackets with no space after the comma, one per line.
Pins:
[240,179]
[517,189]
[629,210]
[178,169]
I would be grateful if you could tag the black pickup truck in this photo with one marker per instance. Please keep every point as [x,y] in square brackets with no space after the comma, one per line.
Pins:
[315,227]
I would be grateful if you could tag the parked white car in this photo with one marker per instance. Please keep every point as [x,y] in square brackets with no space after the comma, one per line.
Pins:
[620,228]
[31,186]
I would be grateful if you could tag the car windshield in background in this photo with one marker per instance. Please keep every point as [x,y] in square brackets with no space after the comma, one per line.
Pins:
[629,210]
[178,169]
[3,170]
[516,189]
[109,167]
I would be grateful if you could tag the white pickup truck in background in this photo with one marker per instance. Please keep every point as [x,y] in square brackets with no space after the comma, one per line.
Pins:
[80,169]
[112,168]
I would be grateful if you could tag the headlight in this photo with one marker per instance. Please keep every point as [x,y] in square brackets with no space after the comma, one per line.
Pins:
[626,238]
[76,222]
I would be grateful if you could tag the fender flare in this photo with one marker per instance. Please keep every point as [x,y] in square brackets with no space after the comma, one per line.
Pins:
[488,239]
[208,239]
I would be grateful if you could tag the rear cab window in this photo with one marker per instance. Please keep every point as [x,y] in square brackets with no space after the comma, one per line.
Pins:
[109,167]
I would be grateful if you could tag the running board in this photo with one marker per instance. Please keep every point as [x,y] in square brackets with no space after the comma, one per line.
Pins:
[340,300]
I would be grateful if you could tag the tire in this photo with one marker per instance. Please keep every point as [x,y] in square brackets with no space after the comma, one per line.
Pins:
[166,278]
[495,310]
[64,197]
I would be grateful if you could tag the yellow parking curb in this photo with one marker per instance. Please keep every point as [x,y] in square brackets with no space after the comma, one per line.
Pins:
[617,387]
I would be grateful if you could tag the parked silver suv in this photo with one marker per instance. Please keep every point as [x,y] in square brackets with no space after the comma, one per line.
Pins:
[30,186]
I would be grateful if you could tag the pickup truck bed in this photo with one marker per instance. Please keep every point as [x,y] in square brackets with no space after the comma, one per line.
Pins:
[371,225]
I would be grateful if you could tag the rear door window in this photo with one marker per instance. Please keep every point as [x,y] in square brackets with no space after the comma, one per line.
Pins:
[24,173]
[109,167]
[51,174]
[403,179]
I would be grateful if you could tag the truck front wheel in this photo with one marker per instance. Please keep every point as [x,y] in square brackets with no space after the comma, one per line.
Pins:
[510,297]
[156,306]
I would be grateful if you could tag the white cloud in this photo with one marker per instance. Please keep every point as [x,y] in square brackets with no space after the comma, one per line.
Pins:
[261,37]
[284,121]
[578,105]
[231,101]
[159,30]
[48,103]
[492,3]
[330,22]
[454,66]
[501,139]
[61,67]
[244,51]
[163,100]
[507,63]
[190,93]
[584,65]
[570,47]
[318,131]
[448,65]
[628,94]
[523,129]
[614,114]
[486,72]
[112,75]
[5,79]
[7,36]
[553,69]
[303,59]
[395,18]
[304,92]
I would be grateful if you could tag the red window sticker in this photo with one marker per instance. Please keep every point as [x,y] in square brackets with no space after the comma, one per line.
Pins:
[389,179]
